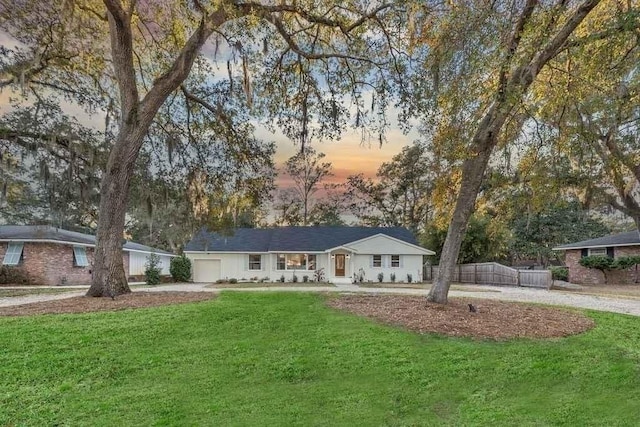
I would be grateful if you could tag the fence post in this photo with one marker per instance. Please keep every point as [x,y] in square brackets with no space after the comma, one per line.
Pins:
[475,273]
[518,278]
[459,273]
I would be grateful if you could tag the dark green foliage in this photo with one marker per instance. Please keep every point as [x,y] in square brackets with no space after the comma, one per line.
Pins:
[409,278]
[282,279]
[180,268]
[392,277]
[294,279]
[626,262]
[599,262]
[13,276]
[152,271]
[605,263]
[380,277]
[318,275]
[559,273]
[305,278]
[483,241]
[534,235]
[233,281]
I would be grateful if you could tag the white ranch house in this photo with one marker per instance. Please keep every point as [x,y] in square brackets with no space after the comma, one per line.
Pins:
[343,253]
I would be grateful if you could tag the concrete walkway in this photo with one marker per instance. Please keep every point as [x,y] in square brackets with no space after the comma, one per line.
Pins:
[540,296]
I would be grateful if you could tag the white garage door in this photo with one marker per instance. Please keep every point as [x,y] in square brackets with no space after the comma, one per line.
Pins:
[206,270]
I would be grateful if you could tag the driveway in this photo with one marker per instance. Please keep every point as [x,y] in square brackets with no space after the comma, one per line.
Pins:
[540,296]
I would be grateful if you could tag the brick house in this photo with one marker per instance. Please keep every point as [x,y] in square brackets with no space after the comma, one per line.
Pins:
[614,246]
[53,256]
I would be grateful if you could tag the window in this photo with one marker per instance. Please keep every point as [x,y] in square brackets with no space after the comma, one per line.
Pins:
[311,262]
[255,262]
[14,254]
[395,260]
[282,262]
[296,262]
[598,251]
[80,257]
[377,260]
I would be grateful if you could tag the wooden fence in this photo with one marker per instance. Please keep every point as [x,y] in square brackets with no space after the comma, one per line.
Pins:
[492,273]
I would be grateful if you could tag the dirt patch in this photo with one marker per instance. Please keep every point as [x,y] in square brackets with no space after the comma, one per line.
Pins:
[493,319]
[84,304]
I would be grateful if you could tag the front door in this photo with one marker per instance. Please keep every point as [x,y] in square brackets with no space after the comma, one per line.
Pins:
[340,265]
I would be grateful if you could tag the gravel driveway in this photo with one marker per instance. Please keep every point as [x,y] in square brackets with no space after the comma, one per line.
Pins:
[601,303]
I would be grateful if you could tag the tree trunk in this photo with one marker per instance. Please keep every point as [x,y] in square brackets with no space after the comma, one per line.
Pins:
[472,173]
[109,278]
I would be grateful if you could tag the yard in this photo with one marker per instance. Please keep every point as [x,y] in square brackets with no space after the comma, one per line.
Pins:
[288,359]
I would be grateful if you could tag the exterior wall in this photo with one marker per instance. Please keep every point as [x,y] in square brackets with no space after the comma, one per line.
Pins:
[51,264]
[409,264]
[589,276]
[137,261]
[236,266]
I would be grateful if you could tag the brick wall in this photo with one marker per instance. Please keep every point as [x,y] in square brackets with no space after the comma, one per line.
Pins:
[52,264]
[590,276]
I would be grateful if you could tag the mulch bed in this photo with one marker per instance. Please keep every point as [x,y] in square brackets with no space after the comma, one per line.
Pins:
[493,320]
[89,304]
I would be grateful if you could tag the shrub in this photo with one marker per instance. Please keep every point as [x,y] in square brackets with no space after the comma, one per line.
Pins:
[152,270]
[559,273]
[282,278]
[180,268]
[13,276]
[626,262]
[409,278]
[318,275]
[233,280]
[393,277]
[380,277]
[294,278]
[305,278]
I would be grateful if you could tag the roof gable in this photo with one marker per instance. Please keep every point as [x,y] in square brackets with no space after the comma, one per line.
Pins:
[290,239]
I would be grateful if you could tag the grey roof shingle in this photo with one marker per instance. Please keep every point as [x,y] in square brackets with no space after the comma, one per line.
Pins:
[46,232]
[630,238]
[287,239]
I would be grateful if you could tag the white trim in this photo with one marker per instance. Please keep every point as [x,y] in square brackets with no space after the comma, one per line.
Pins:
[595,246]
[601,252]
[62,242]
[87,245]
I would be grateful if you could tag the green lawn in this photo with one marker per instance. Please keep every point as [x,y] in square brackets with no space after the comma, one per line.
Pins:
[282,359]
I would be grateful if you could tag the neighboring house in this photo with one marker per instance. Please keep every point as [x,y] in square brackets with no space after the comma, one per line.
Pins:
[614,246]
[53,256]
[342,253]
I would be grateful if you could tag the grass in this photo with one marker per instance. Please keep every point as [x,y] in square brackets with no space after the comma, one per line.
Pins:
[285,359]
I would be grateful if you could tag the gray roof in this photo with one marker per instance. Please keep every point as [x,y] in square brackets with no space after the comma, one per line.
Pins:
[289,239]
[46,232]
[631,238]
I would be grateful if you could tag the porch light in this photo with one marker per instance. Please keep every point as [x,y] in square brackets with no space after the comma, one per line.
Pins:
[333,256]
[347,256]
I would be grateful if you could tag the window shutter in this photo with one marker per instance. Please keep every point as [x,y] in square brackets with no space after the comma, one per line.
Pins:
[585,252]
[371,261]
[610,252]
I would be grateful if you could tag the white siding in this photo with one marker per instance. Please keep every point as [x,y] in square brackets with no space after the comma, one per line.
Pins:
[137,261]
[385,245]
[236,266]
[409,264]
